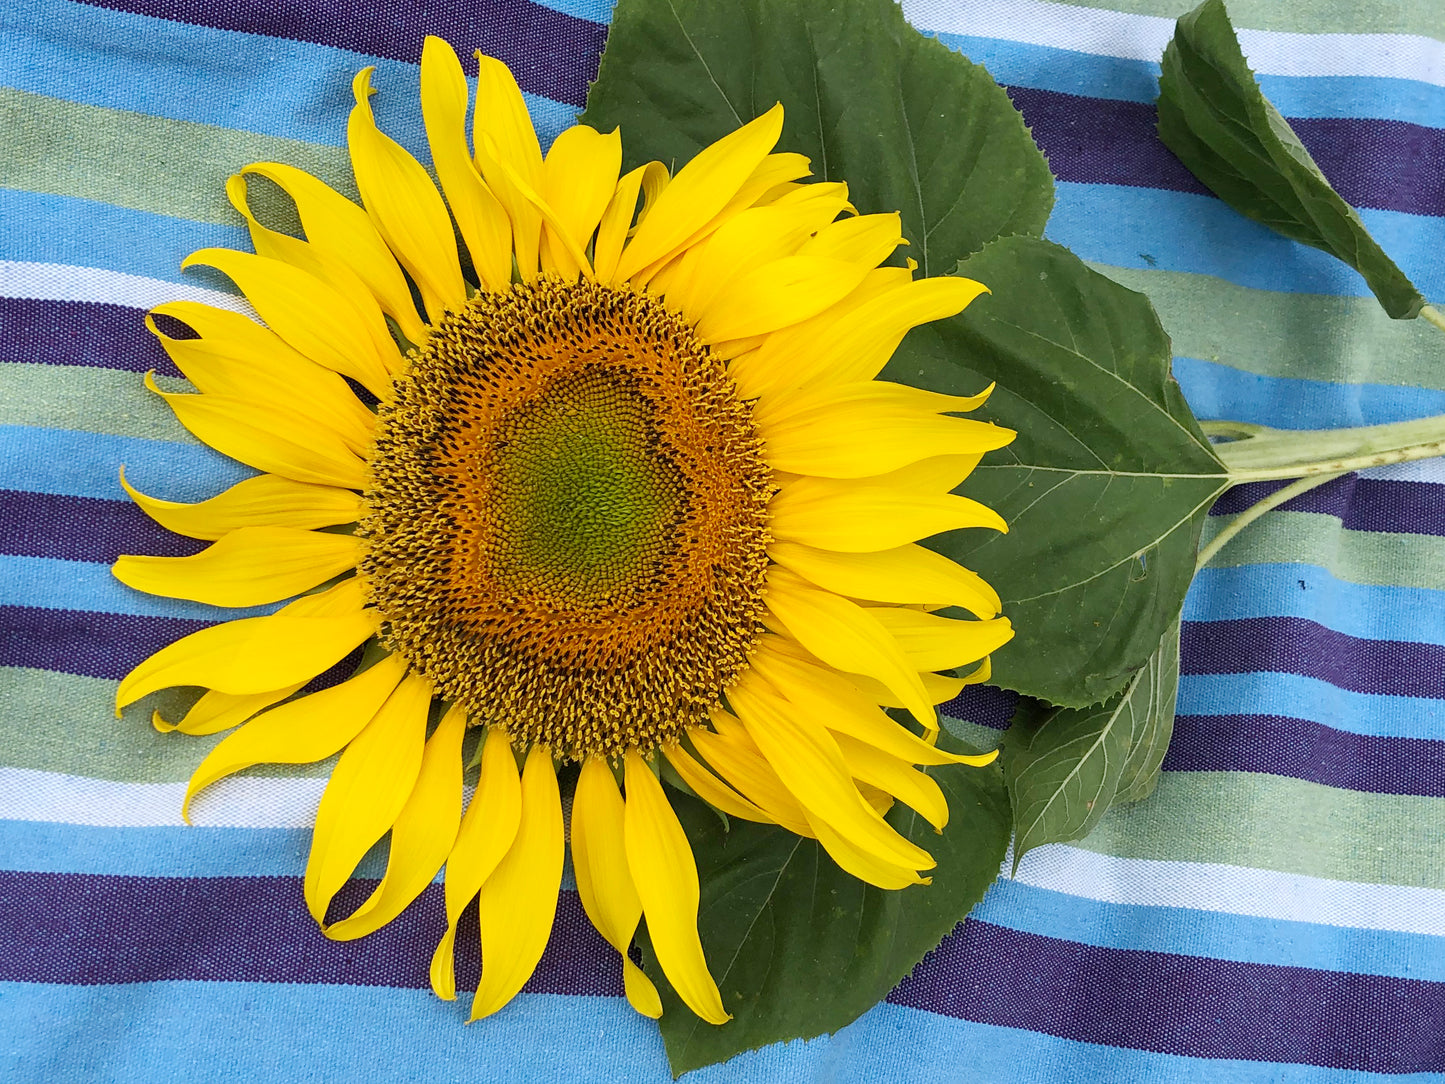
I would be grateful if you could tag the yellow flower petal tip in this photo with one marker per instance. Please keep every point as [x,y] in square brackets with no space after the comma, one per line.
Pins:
[675,510]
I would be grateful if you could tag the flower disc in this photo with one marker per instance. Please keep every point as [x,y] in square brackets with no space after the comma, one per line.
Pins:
[565,526]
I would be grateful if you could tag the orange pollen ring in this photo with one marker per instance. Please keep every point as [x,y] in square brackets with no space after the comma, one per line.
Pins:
[567,523]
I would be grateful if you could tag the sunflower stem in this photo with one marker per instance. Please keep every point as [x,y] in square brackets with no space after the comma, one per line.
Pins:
[1257,453]
[1432,315]
[1259,508]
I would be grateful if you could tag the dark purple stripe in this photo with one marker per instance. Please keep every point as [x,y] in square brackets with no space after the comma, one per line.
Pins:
[982,704]
[1187,1005]
[85,642]
[1307,750]
[83,529]
[550,53]
[1360,504]
[1372,163]
[86,929]
[81,333]
[1293,645]
[89,930]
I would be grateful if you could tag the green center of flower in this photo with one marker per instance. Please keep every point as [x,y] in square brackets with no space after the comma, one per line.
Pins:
[585,504]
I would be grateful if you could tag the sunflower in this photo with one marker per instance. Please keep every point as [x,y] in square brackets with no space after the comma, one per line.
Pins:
[604,485]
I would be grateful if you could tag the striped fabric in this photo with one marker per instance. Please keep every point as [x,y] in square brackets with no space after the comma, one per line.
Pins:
[1275,912]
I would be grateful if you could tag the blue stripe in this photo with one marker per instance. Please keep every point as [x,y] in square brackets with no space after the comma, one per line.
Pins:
[1365,611]
[211,76]
[76,463]
[53,584]
[1218,935]
[412,1035]
[1071,72]
[1151,229]
[1218,391]
[1293,696]
[43,847]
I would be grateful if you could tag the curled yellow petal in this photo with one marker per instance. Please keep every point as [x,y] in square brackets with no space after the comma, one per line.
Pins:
[906,574]
[254,654]
[711,789]
[735,757]
[519,900]
[660,861]
[404,206]
[579,178]
[777,294]
[941,643]
[248,567]
[267,500]
[301,731]
[501,116]
[368,789]
[422,835]
[862,517]
[485,836]
[599,860]
[897,777]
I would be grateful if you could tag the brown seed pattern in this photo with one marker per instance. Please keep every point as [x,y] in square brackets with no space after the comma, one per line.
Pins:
[567,521]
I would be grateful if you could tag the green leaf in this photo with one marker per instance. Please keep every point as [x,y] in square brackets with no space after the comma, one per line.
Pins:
[1214,117]
[1106,487]
[800,948]
[1065,772]
[910,124]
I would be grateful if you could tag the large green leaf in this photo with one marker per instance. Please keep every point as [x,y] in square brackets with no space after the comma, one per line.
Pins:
[1214,117]
[1066,766]
[910,124]
[1107,485]
[800,948]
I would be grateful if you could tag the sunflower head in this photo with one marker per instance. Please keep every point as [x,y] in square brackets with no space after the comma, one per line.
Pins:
[615,482]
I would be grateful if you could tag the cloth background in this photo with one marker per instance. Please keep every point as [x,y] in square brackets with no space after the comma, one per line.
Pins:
[1275,912]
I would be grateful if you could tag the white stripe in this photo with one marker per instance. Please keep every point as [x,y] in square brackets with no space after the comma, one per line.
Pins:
[64,282]
[1143,37]
[1235,890]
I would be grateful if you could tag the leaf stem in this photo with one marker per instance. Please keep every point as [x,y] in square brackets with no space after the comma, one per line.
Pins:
[1434,316]
[1261,454]
[1259,508]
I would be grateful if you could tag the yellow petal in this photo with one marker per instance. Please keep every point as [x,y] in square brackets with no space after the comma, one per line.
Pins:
[341,229]
[940,474]
[485,836]
[320,264]
[808,761]
[495,165]
[662,867]
[519,900]
[735,757]
[845,636]
[861,239]
[599,860]
[941,643]
[248,567]
[422,835]
[700,190]
[215,712]
[940,690]
[859,517]
[579,178]
[711,789]
[270,439]
[301,731]
[777,294]
[616,220]
[783,407]
[368,789]
[254,654]
[858,440]
[266,500]
[480,216]
[240,359]
[907,574]
[404,206]
[861,864]
[309,314]
[917,791]
[501,116]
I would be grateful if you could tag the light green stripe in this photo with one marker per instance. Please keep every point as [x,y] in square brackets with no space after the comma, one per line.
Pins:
[1366,557]
[155,164]
[90,399]
[1303,16]
[66,723]
[1272,822]
[1303,336]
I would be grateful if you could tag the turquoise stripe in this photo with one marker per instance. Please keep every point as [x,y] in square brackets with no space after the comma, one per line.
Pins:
[1151,229]
[1218,391]
[412,1035]
[76,463]
[1293,696]
[1071,72]
[43,847]
[83,585]
[1366,611]
[270,85]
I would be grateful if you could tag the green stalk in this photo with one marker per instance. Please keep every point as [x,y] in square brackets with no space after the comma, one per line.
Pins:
[1260,454]
[1257,509]
[1431,315]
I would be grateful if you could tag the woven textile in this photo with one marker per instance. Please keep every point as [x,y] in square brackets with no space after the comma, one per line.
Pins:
[1274,912]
